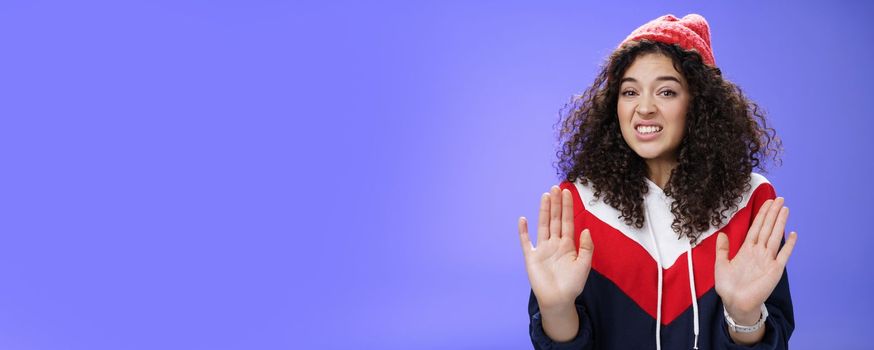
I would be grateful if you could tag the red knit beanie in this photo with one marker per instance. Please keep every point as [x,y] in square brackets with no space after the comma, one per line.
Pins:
[691,33]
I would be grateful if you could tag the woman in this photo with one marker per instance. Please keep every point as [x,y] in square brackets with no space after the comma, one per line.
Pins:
[658,158]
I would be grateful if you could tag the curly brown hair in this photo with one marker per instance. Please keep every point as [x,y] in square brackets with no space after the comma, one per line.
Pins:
[726,137]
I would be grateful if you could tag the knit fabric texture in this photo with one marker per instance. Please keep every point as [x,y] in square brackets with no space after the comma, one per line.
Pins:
[691,32]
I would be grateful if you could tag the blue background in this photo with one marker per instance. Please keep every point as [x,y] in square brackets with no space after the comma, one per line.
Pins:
[275,175]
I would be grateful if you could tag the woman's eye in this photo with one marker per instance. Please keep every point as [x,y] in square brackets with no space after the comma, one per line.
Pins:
[669,93]
[627,93]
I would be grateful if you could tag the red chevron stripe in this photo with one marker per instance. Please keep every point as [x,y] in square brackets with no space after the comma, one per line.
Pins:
[628,265]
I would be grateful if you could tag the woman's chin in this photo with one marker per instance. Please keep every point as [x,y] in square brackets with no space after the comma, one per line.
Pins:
[648,154]
[652,154]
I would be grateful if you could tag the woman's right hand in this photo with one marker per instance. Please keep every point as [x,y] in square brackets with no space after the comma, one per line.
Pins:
[556,269]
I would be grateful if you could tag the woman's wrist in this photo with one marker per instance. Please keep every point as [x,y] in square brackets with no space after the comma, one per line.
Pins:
[558,308]
[746,326]
[561,322]
[744,316]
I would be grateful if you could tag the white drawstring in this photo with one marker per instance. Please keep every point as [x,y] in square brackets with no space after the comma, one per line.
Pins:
[659,265]
[694,295]
[660,285]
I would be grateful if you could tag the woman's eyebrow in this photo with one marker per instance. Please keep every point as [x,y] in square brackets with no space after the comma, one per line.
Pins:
[661,78]
[669,78]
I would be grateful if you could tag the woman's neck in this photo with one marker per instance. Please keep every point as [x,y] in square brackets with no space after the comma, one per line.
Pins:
[659,170]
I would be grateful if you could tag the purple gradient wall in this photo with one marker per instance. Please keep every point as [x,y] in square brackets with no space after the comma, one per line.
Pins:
[336,175]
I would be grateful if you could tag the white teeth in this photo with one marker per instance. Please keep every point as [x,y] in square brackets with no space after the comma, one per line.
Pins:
[648,129]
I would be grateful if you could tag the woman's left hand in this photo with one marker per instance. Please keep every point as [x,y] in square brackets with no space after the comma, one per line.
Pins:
[747,280]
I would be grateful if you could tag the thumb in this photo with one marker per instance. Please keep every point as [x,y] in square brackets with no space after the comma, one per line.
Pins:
[721,248]
[586,245]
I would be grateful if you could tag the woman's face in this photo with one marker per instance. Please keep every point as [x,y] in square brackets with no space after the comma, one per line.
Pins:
[652,105]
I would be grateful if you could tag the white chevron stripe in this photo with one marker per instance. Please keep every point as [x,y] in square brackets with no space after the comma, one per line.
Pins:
[659,205]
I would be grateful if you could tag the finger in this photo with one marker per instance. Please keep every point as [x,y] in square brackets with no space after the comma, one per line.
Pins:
[587,248]
[555,212]
[543,219]
[777,233]
[783,256]
[567,214]
[722,248]
[523,237]
[770,219]
[753,233]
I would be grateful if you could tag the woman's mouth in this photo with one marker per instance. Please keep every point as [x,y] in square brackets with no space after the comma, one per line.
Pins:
[648,129]
[648,132]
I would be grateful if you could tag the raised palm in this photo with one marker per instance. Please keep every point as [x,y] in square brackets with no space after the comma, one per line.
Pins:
[556,269]
[746,281]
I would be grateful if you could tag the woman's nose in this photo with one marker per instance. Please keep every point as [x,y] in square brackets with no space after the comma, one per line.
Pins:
[645,106]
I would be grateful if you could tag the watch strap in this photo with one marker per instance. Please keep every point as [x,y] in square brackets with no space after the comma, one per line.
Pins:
[745,329]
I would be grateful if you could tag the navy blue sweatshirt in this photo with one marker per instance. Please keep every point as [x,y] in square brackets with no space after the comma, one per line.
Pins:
[619,306]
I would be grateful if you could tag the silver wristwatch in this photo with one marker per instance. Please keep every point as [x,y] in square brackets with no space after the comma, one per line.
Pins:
[734,327]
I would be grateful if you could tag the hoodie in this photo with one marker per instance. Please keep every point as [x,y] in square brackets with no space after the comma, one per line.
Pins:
[649,289]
